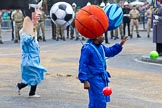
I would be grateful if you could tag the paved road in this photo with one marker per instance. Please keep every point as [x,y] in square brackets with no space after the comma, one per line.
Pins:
[135,84]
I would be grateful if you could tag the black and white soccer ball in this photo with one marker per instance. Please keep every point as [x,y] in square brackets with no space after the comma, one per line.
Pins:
[62,14]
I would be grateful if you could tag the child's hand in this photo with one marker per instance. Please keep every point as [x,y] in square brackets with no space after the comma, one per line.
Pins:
[86,85]
[124,40]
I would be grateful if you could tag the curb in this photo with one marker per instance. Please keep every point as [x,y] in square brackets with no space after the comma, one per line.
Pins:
[147,59]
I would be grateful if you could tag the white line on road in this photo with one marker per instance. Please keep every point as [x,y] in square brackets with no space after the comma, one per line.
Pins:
[9,54]
[148,62]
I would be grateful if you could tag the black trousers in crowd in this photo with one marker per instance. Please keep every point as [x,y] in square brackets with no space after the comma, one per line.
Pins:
[126,22]
[128,26]
[159,48]
[53,30]
[12,25]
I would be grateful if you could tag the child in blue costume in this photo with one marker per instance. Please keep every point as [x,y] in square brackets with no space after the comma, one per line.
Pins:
[32,71]
[92,69]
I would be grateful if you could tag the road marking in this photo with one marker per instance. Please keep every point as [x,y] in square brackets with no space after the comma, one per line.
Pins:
[13,54]
[148,62]
[9,54]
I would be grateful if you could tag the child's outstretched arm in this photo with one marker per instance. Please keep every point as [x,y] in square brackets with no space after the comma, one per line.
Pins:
[124,40]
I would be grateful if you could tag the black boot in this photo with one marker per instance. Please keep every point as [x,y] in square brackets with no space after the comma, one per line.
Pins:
[112,37]
[77,38]
[131,36]
[116,37]
[138,36]
[148,35]
[16,41]
[57,39]
[63,38]
[1,42]
[54,37]
[72,37]
[39,38]
[122,37]
[44,39]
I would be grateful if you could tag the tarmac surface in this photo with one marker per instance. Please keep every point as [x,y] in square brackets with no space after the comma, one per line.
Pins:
[136,82]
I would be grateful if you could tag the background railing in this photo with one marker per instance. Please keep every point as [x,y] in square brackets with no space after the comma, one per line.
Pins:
[6,24]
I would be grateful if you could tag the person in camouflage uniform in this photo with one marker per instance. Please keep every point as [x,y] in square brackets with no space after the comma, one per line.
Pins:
[134,16]
[18,18]
[41,26]
[148,14]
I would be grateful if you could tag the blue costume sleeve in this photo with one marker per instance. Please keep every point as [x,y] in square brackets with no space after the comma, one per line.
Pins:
[92,58]
[83,68]
[113,50]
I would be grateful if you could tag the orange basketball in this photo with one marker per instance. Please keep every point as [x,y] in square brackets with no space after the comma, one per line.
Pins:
[91,21]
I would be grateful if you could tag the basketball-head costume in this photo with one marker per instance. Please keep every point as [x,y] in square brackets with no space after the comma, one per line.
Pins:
[91,21]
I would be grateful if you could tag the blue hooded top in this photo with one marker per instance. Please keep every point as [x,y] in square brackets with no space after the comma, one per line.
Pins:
[92,60]
[92,68]
[32,71]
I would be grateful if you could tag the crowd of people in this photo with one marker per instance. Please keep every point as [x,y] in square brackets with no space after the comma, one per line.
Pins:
[58,33]
[17,17]
[132,17]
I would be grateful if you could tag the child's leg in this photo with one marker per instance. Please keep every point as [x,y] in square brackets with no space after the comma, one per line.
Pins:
[32,90]
[21,85]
